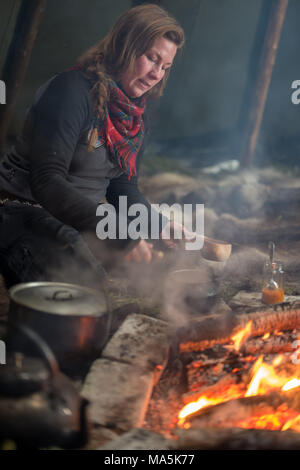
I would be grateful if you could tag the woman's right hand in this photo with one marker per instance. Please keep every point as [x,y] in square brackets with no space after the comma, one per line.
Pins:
[173,229]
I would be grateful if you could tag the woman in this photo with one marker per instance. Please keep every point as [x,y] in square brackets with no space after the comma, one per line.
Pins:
[81,142]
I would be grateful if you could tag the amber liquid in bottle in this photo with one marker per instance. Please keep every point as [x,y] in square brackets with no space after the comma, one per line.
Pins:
[272,296]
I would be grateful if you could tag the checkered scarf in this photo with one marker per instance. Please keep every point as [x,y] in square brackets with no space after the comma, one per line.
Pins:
[122,131]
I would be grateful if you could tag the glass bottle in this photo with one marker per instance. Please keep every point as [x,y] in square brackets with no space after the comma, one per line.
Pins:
[273,283]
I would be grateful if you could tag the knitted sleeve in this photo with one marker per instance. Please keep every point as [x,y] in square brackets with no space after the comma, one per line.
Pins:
[60,115]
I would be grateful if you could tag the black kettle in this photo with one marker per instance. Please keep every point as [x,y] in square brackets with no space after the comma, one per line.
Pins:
[39,405]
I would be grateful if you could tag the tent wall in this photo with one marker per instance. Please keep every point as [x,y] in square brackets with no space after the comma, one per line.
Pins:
[206,86]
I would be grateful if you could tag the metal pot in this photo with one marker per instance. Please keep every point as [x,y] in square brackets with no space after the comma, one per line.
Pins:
[73,320]
[194,290]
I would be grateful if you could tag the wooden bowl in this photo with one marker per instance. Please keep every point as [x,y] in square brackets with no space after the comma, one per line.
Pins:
[216,250]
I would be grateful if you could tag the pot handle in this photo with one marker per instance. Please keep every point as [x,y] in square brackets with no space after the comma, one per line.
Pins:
[35,338]
[62,295]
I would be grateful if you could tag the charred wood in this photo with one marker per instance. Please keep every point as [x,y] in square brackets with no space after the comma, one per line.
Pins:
[205,333]
[273,345]
[226,384]
[229,413]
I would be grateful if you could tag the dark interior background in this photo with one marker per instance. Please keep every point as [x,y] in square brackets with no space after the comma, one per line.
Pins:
[201,106]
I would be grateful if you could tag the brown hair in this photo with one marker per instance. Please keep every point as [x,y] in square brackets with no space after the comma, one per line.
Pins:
[130,37]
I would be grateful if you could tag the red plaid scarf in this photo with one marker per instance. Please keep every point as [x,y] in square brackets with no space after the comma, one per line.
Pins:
[122,131]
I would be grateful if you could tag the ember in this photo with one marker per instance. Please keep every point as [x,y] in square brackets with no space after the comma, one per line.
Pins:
[215,380]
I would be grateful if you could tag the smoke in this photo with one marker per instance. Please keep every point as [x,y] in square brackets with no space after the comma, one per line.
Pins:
[247,263]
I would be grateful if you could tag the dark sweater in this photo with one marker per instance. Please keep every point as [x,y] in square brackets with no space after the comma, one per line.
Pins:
[51,165]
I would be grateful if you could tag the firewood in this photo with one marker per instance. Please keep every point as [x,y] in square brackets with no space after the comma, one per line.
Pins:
[210,438]
[270,320]
[273,345]
[227,414]
[227,382]
[203,334]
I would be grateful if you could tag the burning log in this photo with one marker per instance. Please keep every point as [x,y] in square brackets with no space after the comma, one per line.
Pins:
[226,385]
[210,375]
[225,377]
[230,394]
[205,333]
[258,411]
[273,345]
[272,320]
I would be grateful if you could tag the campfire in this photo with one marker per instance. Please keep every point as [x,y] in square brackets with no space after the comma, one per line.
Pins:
[239,373]
[261,389]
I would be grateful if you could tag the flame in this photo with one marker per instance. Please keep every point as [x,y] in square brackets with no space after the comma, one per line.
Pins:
[240,337]
[195,406]
[266,336]
[293,383]
[278,360]
[228,393]
[292,424]
[282,419]
[263,378]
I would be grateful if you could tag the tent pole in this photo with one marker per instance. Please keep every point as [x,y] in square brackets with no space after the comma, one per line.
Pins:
[262,81]
[18,57]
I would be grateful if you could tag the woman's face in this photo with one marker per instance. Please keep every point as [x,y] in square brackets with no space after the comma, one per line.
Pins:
[149,68]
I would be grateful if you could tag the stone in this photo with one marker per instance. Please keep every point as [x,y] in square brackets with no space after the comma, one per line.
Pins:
[139,439]
[141,341]
[220,307]
[99,436]
[118,394]
[247,299]
[252,301]
[119,314]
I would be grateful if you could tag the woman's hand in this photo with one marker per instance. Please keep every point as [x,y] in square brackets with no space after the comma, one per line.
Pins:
[143,251]
[173,232]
